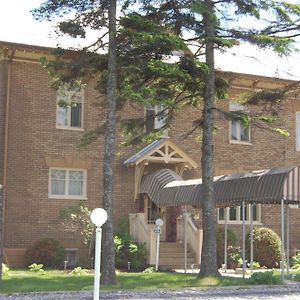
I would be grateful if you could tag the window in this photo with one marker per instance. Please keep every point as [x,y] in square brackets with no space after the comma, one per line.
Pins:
[234,215]
[72,257]
[237,132]
[155,117]
[298,131]
[69,112]
[67,183]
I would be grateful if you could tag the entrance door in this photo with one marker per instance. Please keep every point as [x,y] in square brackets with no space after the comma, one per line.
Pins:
[171,224]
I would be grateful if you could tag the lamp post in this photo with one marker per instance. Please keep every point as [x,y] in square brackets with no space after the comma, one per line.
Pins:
[157,230]
[98,217]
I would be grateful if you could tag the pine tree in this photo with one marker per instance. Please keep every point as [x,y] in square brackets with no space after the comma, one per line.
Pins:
[207,26]
[93,15]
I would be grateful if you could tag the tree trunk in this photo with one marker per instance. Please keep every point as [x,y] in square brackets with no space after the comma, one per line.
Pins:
[108,255]
[209,255]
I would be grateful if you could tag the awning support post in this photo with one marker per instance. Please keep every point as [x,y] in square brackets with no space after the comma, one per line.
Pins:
[225,239]
[251,237]
[282,240]
[185,239]
[287,239]
[244,237]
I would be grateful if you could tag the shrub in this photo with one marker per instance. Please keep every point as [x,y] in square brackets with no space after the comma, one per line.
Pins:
[296,261]
[231,242]
[79,271]
[36,267]
[264,278]
[5,269]
[234,259]
[149,270]
[48,252]
[256,265]
[127,250]
[266,247]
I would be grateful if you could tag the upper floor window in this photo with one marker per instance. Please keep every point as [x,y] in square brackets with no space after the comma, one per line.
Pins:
[155,117]
[238,133]
[67,183]
[69,112]
[234,215]
[298,131]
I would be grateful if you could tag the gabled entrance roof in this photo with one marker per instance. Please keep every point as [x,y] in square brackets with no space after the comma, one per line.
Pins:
[161,151]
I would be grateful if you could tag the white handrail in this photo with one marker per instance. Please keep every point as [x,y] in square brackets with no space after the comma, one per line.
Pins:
[142,233]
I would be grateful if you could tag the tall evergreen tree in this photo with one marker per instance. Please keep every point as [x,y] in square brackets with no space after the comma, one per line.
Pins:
[205,26]
[92,15]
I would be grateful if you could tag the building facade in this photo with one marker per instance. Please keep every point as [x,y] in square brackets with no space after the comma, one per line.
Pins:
[43,170]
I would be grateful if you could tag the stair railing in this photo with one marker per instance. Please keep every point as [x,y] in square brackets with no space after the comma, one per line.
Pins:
[142,232]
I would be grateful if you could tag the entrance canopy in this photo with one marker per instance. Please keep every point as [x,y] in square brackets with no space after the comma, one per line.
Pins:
[264,186]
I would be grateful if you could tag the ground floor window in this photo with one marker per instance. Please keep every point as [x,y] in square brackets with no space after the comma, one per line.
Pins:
[72,257]
[235,214]
[67,183]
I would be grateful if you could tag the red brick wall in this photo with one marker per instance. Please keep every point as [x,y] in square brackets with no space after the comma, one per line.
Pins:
[34,140]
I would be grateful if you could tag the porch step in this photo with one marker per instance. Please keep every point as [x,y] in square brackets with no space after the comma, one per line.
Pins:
[171,256]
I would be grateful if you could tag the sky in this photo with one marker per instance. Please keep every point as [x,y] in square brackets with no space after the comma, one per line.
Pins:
[17,25]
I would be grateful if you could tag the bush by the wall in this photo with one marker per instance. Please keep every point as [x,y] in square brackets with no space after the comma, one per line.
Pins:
[5,269]
[232,241]
[296,261]
[267,277]
[48,252]
[266,247]
[127,250]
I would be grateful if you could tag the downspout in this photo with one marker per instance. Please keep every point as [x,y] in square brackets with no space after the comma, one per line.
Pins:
[6,132]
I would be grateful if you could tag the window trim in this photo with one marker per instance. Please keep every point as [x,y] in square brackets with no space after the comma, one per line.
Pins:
[67,196]
[238,141]
[238,220]
[158,123]
[235,106]
[69,93]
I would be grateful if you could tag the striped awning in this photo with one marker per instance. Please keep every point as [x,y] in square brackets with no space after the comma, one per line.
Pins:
[263,186]
[153,184]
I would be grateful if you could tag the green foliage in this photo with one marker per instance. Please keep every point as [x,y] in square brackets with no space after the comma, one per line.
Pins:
[256,265]
[48,252]
[5,269]
[149,270]
[267,277]
[232,241]
[77,219]
[127,250]
[234,259]
[266,247]
[296,261]
[79,271]
[36,267]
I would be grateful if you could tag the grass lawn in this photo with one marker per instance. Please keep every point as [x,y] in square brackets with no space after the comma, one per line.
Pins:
[19,281]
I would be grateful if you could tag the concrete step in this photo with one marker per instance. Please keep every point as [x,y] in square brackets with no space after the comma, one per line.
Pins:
[171,256]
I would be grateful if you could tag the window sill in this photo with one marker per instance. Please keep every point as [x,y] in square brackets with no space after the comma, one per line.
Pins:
[239,222]
[69,128]
[240,143]
[67,197]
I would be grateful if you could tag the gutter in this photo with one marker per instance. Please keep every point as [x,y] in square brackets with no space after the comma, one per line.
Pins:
[6,134]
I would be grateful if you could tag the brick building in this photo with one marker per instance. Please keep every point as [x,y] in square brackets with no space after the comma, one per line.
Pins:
[43,170]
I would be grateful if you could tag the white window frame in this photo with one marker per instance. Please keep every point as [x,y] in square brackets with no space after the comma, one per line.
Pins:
[233,106]
[297,139]
[159,120]
[239,217]
[66,195]
[69,94]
